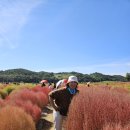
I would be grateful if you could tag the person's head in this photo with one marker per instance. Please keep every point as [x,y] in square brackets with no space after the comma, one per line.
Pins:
[44,83]
[88,84]
[61,83]
[72,82]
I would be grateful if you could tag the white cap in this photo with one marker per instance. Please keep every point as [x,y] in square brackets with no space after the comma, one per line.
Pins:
[72,78]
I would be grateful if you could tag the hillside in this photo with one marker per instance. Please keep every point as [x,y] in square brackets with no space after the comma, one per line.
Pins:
[23,75]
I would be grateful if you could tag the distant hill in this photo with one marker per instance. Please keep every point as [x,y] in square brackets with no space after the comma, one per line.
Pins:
[23,75]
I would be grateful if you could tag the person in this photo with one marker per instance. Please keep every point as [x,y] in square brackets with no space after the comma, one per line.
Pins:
[88,84]
[61,83]
[44,83]
[60,100]
[56,115]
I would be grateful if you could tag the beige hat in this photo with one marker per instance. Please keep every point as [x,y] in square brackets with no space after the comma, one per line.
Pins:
[72,78]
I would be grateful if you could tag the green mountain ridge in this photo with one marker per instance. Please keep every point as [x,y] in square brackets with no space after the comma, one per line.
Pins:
[24,75]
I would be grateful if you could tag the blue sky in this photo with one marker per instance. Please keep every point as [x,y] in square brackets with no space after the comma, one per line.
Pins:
[85,36]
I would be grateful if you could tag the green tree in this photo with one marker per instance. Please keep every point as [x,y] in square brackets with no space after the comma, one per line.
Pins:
[128,76]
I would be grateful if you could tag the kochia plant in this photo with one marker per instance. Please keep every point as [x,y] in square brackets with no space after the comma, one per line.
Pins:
[93,108]
[13,118]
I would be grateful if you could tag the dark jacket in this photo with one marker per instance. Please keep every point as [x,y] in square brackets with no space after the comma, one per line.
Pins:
[62,98]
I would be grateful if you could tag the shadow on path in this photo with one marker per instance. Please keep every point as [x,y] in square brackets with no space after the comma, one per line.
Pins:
[46,121]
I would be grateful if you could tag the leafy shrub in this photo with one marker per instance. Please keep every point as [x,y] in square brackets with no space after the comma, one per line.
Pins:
[28,107]
[121,90]
[116,127]
[37,98]
[13,118]
[42,99]
[92,108]
[8,89]
[45,90]
[2,102]
[3,93]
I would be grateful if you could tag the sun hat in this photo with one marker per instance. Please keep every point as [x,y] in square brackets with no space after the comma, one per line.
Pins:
[72,78]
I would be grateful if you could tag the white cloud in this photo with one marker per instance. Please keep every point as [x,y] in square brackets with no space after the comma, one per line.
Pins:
[13,16]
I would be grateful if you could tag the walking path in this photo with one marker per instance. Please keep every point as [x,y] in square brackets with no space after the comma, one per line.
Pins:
[46,121]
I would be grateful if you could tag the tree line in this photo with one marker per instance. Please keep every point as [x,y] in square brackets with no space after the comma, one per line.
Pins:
[27,76]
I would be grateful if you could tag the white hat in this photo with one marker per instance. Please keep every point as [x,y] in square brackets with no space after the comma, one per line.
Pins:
[59,83]
[72,78]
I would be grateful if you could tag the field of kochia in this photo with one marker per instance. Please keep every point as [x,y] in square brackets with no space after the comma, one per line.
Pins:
[97,106]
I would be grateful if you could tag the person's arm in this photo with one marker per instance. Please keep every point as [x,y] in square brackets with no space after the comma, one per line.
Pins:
[53,103]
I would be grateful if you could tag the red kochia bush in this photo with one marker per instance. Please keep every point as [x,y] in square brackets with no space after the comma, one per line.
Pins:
[94,107]
[121,90]
[37,98]
[13,118]
[42,99]
[116,127]
[1,102]
[30,108]
[33,110]
[45,90]
[32,102]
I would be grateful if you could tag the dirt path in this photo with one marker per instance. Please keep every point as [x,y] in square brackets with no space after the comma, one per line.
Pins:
[46,121]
